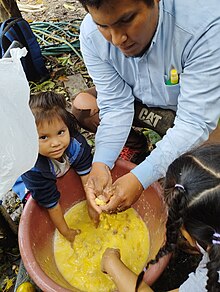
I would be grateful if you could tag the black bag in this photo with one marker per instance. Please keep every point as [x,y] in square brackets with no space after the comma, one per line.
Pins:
[16,32]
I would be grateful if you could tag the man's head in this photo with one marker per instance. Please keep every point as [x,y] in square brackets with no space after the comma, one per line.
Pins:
[98,3]
[127,24]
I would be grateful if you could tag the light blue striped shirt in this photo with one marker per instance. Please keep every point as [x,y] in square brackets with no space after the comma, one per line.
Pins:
[187,39]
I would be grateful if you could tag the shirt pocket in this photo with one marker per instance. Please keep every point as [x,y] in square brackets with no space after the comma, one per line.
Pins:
[172,92]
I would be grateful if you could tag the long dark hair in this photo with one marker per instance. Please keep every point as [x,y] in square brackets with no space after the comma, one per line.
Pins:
[192,193]
[48,105]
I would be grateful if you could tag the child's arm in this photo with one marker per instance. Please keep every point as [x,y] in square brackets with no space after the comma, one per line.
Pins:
[43,189]
[58,220]
[124,278]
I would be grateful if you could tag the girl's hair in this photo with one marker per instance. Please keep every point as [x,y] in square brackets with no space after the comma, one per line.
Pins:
[46,106]
[192,193]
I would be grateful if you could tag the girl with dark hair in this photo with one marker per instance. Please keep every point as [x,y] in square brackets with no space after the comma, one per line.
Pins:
[60,148]
[192,193]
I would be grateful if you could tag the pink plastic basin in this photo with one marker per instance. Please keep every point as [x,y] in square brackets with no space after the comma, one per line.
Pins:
[36,230]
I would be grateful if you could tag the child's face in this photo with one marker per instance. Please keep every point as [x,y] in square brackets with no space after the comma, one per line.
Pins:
[54,138]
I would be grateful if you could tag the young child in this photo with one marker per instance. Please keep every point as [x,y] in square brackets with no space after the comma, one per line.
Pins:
[60,147]
[192,192]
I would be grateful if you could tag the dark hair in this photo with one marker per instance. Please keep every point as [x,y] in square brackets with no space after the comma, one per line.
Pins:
[194,203]
[46,106]
[98,3]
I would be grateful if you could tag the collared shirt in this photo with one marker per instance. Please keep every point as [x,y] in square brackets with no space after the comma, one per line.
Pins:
[187,39]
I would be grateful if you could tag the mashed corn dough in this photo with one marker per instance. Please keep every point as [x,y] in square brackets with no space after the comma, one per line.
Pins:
[80,264]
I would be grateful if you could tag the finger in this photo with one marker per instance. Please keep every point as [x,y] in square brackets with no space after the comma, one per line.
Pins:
[112,205]
[90,195]
[120,209]
[94,216]
[94,188]
[109,192]
[97,208]
[96,221]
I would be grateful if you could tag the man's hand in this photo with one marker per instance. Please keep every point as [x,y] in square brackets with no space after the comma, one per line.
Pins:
[99,183]
[127,190]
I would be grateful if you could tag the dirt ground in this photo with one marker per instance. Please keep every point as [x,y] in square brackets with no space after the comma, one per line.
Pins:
[50,10]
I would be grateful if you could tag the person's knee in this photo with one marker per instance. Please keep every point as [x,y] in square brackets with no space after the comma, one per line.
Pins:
[84,101]
[85,110]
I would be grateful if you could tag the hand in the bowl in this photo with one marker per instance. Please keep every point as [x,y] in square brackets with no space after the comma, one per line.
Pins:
[57,217]
[99,182]
[109,259]
[127,190]
[71,234]
[124,278]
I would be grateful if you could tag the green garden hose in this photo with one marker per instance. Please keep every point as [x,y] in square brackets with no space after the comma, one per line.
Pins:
[56,38]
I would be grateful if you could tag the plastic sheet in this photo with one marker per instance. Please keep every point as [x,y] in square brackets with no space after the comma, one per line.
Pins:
[19,139]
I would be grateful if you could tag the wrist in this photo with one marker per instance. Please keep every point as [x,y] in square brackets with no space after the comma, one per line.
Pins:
[99,165]
[64,230]
[110,259]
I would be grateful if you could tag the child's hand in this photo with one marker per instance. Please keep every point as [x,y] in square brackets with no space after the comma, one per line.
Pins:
[71,234]
[109,258]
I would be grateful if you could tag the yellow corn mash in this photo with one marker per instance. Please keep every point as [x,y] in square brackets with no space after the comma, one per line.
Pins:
[100,202]
[80,264]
